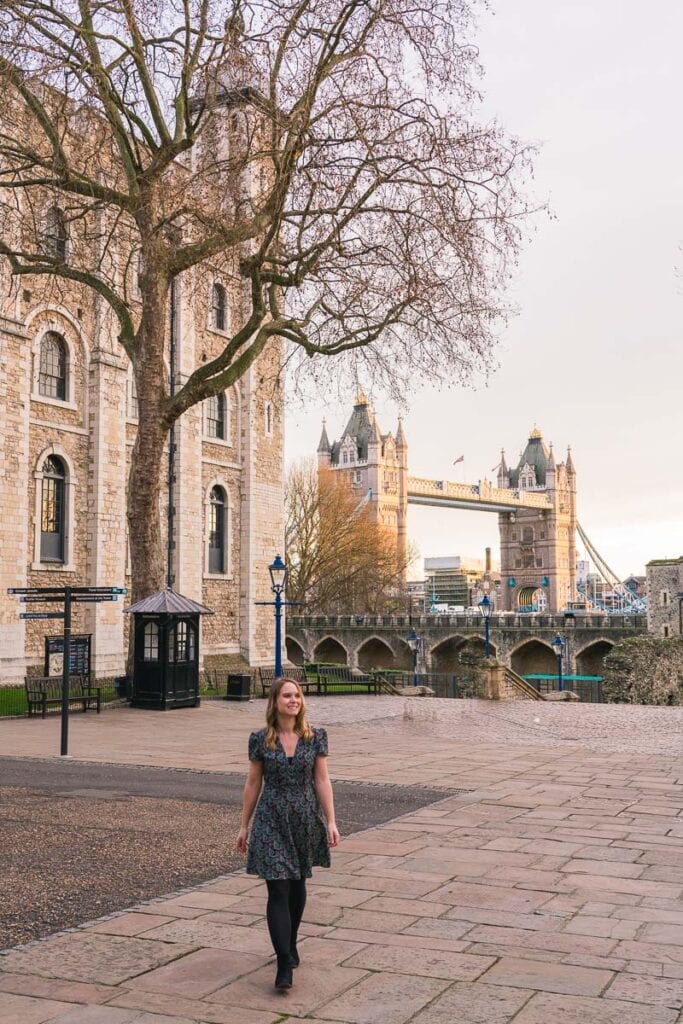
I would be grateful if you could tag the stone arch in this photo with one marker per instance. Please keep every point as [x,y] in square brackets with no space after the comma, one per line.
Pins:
[295,651]
[590,660]
[444,655]
[531,598]
[532,657]
[329,649]
[375,653]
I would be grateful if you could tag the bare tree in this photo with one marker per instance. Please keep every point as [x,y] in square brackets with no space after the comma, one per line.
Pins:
[340,559]
[322,150]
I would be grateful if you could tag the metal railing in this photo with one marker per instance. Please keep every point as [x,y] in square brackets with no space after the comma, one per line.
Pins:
[444,684]
[522,620]
[589,689]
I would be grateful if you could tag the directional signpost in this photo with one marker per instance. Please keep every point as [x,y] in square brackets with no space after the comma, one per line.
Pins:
[67,596]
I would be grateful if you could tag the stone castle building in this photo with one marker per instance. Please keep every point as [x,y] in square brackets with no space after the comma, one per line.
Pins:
[665,597]
[376,466]
[538,546]
[68,420]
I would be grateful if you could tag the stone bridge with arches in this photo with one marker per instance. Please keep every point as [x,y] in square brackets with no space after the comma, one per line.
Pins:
[521,642]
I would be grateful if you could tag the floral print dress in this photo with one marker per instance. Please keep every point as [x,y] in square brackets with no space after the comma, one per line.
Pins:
[288,834]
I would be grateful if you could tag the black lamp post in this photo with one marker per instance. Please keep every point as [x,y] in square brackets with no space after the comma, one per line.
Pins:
[278,580]
[558,647]
[414,642]
[485,608]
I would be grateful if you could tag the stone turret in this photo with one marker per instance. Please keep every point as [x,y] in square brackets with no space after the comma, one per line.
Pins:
[503,479]
[538,545]
[550,470]
[324,448]
[375,464]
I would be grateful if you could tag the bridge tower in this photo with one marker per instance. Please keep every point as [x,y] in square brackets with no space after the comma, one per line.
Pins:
[538,546]
[376,465]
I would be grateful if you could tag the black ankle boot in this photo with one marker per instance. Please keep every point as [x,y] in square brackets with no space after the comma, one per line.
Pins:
[283,978]
[294,960]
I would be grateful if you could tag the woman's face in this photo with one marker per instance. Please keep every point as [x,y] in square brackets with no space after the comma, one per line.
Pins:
[289,700]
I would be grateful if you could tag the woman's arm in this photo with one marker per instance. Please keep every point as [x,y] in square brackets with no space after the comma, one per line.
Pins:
[323,790]
[252,791]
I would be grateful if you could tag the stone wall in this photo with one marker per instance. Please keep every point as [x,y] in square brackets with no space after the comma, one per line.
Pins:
[665,597]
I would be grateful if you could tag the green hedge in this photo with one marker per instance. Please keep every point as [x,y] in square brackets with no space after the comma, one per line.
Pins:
[645,670]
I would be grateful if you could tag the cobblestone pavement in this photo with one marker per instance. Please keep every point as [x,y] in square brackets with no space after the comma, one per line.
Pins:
[551,892]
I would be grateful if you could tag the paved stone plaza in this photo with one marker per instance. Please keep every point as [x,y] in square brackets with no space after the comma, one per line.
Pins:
[550,890]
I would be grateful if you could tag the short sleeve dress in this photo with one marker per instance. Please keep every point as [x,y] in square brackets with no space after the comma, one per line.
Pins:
[288,834]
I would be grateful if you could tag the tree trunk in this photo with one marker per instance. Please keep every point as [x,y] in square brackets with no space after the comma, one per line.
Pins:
[147,549]
[145,483]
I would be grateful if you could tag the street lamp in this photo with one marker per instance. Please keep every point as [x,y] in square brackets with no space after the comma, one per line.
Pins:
[278,575]
[485,608]
[414,642]
[278,581]
[558,646]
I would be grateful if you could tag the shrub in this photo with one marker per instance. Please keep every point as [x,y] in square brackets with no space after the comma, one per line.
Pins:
[645,670]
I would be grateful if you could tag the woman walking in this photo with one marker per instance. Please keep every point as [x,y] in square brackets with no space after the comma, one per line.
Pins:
[294,824]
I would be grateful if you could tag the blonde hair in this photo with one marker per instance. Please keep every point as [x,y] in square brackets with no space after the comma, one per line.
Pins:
[301,726]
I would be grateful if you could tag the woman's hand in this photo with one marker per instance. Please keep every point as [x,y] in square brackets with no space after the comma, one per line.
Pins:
[242,840]
[333,836]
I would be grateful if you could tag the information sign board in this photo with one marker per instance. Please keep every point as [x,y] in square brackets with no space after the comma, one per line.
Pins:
[79,660]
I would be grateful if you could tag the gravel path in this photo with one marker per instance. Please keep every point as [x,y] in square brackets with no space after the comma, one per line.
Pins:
[79,840]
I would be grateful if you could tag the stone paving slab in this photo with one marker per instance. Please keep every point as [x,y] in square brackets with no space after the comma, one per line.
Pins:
[551,893]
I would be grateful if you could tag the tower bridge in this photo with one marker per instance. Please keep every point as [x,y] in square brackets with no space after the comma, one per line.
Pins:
[481,497]
[535,500]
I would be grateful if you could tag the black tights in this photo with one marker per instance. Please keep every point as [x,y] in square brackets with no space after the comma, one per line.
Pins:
[286,902]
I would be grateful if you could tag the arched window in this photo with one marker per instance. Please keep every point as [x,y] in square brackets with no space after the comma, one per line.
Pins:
[56,234]
[215,417]
[139,271]
[527,535]
[53,511]
[217,520]
[269,420]
[53,363]
[151,642]
[177,643]
[132,410]
[218,306]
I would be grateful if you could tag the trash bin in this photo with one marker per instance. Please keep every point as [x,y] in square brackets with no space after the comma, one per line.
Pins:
[123,686]
[239,687]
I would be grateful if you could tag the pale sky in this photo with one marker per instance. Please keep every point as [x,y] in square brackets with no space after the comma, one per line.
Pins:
[594,355]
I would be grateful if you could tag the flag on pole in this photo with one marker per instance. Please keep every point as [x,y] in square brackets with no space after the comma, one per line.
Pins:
[460,458]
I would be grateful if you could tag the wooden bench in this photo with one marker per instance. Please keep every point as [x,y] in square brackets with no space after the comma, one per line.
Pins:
[341,679]
[267,678]
[43,692]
